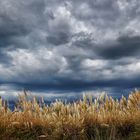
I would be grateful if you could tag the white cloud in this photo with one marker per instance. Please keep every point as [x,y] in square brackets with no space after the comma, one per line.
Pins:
[95,64]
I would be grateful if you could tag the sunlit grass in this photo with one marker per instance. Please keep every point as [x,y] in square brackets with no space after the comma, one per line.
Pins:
[103,118]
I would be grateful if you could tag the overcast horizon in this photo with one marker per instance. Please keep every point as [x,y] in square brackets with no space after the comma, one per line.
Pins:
[69,46]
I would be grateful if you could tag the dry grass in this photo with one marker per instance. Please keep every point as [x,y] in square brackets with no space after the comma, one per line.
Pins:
[101,119]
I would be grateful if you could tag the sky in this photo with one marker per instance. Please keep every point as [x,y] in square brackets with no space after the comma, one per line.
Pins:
[69,46]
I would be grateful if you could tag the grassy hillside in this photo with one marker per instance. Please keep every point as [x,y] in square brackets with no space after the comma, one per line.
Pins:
[101,119]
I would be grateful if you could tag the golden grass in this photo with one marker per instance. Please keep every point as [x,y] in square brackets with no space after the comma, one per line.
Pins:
[101,119]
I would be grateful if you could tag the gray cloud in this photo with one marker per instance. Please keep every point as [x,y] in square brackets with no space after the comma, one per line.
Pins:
[4,58]
[69,44]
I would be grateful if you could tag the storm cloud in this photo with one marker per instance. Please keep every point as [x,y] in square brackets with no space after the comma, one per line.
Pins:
[66,44]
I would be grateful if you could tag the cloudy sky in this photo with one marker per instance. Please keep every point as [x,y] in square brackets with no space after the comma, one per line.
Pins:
[69,44]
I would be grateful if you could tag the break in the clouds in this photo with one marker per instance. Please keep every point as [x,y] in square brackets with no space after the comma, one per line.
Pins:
[70,44]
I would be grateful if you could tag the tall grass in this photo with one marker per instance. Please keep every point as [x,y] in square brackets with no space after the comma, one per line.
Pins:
[103,118]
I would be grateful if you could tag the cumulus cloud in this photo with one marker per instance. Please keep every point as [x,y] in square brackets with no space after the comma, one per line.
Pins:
[70,44]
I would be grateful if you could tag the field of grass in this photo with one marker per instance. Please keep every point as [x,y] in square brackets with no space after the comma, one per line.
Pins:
[103,118]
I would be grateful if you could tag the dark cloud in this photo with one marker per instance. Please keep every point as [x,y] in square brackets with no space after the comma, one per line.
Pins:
[18,18]
[59,38]
[125,46]
[69,44]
